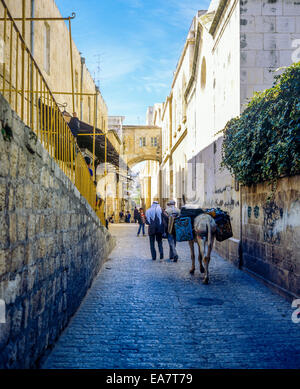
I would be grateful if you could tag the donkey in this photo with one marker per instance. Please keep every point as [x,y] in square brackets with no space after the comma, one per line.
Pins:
[205,232]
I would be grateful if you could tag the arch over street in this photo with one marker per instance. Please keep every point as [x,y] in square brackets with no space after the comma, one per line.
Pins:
[141,143]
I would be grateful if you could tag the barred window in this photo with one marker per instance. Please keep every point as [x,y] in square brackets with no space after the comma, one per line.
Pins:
[154,142]
[47,48]
[142,142]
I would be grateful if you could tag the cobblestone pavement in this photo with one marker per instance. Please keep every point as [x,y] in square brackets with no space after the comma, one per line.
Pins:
[141,313]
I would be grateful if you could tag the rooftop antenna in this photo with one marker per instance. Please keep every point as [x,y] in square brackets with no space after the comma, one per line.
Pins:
[98,70]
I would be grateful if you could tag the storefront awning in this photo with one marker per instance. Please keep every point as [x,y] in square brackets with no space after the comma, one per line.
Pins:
[86,142]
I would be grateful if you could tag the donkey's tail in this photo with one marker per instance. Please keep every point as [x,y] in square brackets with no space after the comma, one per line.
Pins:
[209,235]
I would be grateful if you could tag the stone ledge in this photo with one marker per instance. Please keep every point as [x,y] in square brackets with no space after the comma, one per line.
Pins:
[229,249]
[274,287]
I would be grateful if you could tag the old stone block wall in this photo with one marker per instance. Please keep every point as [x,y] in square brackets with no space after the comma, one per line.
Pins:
[271,233]
[269,37]
[266,234]
[215,187]
[52,245]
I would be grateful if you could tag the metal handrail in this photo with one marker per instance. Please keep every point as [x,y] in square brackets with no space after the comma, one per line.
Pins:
[34,102]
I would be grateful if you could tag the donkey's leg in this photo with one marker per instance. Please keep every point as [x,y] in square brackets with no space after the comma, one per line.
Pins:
[201,253]
[191,244]
[207,259]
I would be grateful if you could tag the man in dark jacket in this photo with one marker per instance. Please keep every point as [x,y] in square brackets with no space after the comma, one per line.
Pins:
[127,217]
[136,214]
[156,229]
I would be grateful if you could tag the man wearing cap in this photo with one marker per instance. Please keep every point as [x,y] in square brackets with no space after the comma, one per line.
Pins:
[172,212]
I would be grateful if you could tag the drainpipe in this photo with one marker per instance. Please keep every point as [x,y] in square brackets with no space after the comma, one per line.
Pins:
[81,88]
[32,28]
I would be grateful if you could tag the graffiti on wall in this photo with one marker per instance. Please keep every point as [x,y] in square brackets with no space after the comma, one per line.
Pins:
[272,213]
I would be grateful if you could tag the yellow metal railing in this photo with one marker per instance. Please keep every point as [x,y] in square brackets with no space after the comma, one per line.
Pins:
[28,93]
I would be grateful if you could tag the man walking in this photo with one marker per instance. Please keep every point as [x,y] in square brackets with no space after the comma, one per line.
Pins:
[136,214]
[172,212]
[156,229]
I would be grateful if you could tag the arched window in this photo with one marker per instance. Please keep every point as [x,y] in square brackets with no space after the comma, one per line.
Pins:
[47,48]
[183,97]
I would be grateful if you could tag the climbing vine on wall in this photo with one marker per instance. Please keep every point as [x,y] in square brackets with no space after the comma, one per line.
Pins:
[263,144]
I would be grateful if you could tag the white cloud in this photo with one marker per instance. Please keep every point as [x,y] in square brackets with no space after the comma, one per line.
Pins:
[116,62]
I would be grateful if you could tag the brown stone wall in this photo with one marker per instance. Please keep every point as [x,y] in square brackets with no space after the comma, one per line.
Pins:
[271,233]
[52,245]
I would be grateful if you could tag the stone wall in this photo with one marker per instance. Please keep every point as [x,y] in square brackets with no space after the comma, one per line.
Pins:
[269,36]
[271,233]
[215,187]
[266,234]
[52,245]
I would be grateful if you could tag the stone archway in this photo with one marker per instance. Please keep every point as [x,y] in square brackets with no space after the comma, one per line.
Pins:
[142,143]
[141,158]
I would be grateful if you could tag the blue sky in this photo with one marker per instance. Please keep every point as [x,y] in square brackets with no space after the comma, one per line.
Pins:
[139,43]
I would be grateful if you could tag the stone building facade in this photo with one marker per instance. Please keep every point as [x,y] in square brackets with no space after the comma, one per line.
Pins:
[115,123]
[49,43]
[231,51]
[143,143]
[149,182]
[150,176]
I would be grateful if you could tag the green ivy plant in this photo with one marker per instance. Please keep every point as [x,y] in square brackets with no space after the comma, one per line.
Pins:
[263,144]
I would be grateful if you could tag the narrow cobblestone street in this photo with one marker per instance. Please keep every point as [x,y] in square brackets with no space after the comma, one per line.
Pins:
[141,313]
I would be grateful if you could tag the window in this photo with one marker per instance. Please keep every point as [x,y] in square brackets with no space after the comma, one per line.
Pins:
[203,73]
[154,142]
[89,109]
[76,89]
[142,142]
[47,48]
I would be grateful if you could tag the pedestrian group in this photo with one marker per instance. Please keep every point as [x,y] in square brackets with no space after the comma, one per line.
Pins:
[161,225]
